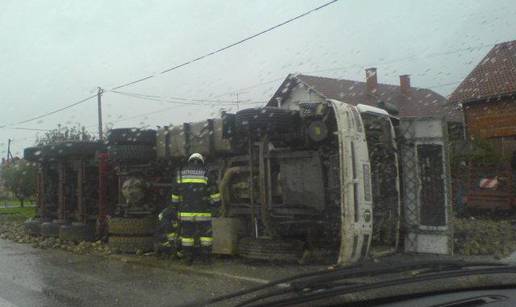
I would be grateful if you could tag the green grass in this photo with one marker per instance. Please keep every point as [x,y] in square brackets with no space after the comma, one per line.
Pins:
[14,202]
[26,212]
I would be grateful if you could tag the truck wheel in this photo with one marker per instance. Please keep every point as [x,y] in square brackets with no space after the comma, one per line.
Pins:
[49,229]
[34,154]
[126,136]
[77,232]
[72,149]
[132,226]
[32,227]
[131,153]
[130,245]
[270,249]
[267,120]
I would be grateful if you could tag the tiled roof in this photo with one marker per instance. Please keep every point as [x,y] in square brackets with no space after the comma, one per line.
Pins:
[419,102]
[494,76]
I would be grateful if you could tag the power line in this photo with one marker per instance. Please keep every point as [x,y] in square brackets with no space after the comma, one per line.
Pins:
[172,99]
[166,109]
[51,112]
[160,99]
[124,118]
[177,98]
[183,64]
[409,57]
[141,115]
[252,86]
[24,128]
[393,61]
[155,98]
[226,47]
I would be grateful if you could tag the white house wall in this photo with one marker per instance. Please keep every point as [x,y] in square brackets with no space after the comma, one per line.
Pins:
[300,95]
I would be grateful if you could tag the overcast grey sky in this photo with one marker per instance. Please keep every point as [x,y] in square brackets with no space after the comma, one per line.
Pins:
[53,53]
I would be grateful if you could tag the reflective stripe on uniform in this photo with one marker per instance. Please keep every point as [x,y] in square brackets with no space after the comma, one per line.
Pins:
[185,241]
[193,180]
[215,197]
[206,241]
[176,198]
[195,216]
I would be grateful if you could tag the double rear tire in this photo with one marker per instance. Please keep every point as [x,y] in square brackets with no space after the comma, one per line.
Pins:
[131,153]
[51,229]
[267,120]
[77,232]
[32,227]
[127,136]
[64,150]
[130,235]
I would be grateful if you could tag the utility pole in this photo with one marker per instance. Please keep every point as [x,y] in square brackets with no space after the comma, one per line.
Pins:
[99,101]
[9,154]
[237,101]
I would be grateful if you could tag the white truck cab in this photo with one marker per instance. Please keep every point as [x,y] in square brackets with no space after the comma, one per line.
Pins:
[355,176]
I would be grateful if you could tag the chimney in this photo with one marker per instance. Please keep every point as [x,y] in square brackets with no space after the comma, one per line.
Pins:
[405,84]
[371,80]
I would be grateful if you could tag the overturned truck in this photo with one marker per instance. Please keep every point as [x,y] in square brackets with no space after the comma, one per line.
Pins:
[346,181]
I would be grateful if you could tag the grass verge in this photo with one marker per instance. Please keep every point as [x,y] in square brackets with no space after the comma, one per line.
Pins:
[26,212]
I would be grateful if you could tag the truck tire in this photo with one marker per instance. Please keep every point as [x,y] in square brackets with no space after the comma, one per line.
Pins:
[131,153]
[34,154]
[127,136]
[71,149]
[270,249]
[77,232]
[132,226]
[131,245]
[49,229]
[267,119]
[32,227]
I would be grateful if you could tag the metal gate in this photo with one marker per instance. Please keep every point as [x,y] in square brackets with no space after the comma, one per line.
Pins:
[426,185]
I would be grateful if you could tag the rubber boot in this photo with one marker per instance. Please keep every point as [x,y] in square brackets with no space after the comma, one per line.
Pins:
[205,255]
[187,256]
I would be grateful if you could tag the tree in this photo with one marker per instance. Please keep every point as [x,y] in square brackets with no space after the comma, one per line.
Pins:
[19,176]
[64,134]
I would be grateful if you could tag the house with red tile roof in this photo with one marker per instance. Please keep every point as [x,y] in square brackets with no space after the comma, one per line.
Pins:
[402,100]
[488,98]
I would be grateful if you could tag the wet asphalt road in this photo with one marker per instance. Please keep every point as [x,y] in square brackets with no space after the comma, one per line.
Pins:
[34,277]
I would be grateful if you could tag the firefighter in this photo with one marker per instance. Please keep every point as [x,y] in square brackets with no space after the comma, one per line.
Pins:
[195,206]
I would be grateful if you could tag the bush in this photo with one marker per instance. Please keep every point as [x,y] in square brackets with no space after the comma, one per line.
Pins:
[19,177]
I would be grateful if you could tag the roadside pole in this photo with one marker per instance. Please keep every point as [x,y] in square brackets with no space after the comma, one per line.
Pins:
[9,154]
[99,101]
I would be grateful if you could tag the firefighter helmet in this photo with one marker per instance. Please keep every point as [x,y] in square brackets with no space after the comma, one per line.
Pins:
[196,156]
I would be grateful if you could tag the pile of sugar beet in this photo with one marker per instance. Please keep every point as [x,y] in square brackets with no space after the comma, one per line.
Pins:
[484,236]
[15,231]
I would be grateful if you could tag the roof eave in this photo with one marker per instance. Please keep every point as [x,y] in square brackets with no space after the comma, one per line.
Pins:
[484,99]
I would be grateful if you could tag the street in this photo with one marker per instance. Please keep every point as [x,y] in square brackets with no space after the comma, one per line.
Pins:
[35,277]
[51,277]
